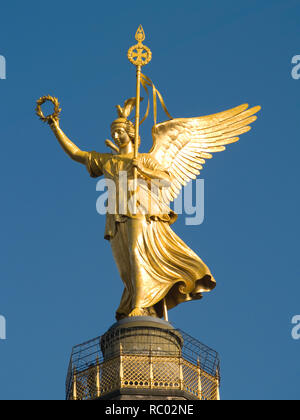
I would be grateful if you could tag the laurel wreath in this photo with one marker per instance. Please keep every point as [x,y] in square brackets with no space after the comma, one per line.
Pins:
[57,109]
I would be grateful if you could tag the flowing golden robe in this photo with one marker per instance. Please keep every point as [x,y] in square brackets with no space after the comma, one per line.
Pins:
[153,262]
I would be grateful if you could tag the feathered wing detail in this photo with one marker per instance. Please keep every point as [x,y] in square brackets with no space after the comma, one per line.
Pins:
[182,145]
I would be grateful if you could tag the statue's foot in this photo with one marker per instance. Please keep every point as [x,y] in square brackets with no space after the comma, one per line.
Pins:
[137,312]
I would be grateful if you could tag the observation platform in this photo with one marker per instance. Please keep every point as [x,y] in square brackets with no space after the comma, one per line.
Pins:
[143,358]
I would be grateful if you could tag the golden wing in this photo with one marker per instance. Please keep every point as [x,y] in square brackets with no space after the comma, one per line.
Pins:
[181,145]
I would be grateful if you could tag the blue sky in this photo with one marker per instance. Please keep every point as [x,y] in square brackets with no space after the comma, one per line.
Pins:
[59,285]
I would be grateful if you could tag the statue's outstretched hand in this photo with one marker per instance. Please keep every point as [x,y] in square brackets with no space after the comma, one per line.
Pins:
[53,122]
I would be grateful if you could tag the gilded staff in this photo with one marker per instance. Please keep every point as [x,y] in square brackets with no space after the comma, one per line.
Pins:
[139,55]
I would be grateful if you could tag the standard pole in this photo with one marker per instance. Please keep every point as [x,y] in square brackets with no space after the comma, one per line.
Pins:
[137,114]
[137,127]
[139,55]
[165,310]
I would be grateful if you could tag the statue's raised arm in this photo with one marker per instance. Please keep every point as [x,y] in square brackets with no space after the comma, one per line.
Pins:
[68,146]
[53,120]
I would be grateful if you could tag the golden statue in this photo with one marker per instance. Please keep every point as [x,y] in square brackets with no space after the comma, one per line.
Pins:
[158,269]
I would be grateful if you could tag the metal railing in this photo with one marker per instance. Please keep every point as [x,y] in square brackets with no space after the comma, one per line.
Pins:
[194,372]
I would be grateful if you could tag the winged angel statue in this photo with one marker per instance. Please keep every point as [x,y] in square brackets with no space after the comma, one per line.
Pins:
[157,268]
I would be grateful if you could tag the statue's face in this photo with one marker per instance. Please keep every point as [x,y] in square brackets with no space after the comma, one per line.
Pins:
[120,136]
